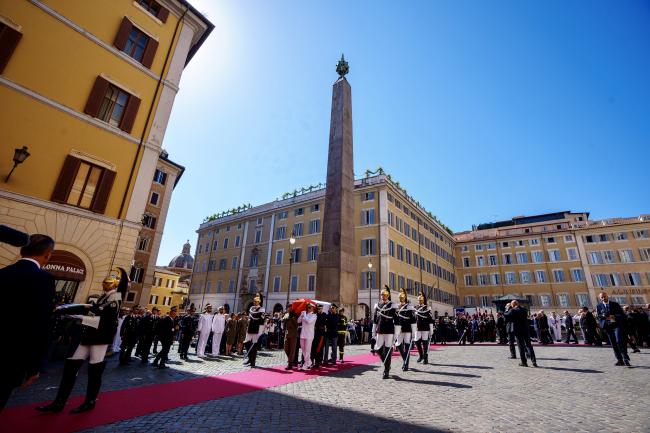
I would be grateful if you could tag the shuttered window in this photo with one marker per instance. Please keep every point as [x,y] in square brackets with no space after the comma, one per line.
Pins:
[83,185]
[155,9]
[112,105]
[9,39]
[135,43]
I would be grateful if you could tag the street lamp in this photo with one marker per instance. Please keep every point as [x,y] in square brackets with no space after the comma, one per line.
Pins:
[292,241]
[369,288]
[20,155]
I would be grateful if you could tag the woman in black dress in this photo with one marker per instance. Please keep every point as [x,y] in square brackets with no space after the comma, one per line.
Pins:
[99,322]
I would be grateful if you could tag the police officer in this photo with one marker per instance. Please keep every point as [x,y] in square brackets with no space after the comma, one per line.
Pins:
[384,328]
[146,328]
[129,334]
[404,320]
[188,325]
[165,329]
[424,328]
[255,329]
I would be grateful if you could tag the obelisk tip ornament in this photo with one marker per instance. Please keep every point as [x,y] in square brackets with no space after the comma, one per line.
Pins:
[342,67]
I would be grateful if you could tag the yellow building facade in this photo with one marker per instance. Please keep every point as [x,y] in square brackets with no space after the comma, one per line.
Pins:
[166,292]
[88,87]
[558,261]
[246,252]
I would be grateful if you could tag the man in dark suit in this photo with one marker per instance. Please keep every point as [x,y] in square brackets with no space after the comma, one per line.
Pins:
[519,318]
[613,320]
[25,283]
[570,332]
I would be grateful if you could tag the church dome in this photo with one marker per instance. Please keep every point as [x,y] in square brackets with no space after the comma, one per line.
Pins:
[184,260]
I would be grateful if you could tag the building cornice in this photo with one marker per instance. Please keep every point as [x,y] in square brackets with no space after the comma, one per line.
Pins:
[70,210]
[81,116]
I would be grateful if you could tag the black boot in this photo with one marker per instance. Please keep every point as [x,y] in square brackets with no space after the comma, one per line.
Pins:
[341,357]
[400,349]
[387,354]
[407,357]
[95,372]
[418,344]
[252,356]
[70,371]
[248,347]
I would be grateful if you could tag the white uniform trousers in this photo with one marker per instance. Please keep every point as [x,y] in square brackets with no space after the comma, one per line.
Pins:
[403,337]
[216,343]
[203,340]
[252,338]
[305,346]
[422,335]
[384,340]
[94,353]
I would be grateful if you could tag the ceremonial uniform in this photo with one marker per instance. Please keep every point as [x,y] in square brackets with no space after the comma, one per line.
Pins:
[424,328]
[146,327]
[290,336]
[129,334]
[188,325]
[342,329]
[99,328]
[319,337]
[255,329]
[231,334]
[308,322]
[242,327]
[218,328]
[165,328]
[204,328]
[384,329]
[404,321]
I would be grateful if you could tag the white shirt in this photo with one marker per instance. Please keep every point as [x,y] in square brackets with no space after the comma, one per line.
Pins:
[205,322]
[308,321]
[32,260]
[219,323]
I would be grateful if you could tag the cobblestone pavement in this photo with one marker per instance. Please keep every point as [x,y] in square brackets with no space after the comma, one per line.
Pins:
[474,389]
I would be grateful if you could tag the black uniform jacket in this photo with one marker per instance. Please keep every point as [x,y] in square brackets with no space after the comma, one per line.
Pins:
[384,317]
[405,317]
[107,308]
[255,319]
[423,317]
[165,329]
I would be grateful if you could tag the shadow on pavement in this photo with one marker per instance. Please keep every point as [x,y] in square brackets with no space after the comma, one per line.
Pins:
[431,382]
[482,367]
[557,359]
[446,373]
[574,370]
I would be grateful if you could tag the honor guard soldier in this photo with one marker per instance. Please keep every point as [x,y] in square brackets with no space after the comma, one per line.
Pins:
[99,325]
[424,328]
[255,329]
[342,330]
[404,320]
[384,328]
[188,325]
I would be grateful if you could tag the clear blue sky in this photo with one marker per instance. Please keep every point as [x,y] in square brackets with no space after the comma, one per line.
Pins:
[481,110]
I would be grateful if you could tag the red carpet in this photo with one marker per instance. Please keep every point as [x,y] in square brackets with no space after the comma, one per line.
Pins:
[114,406]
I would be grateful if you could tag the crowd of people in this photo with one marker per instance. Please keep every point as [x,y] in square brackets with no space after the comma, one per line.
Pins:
[311,336]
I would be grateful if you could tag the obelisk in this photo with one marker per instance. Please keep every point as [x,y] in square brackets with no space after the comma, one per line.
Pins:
[336,270]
